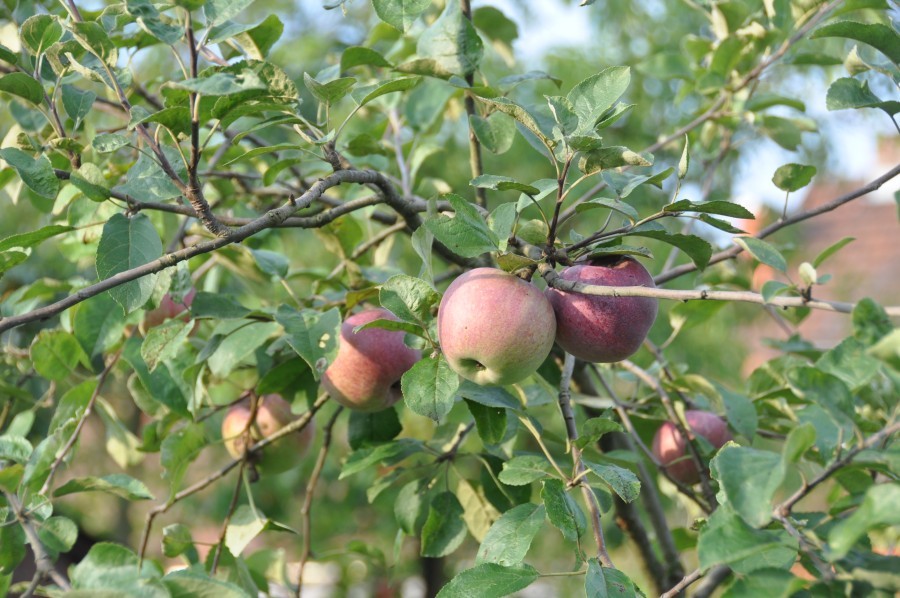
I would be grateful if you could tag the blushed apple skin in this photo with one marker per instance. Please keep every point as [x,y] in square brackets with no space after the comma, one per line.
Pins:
[603,329]
[669,445]
[495,328]
[272,414]
[169,309]
[365,375]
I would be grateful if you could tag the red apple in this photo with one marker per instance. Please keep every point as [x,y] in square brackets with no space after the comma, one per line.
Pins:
[169,309]
[603,329]
[494,327]
[671,448]
[272,414]
[365,375]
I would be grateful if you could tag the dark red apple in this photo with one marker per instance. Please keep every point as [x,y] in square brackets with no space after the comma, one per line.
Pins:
[603,329]
[169,309]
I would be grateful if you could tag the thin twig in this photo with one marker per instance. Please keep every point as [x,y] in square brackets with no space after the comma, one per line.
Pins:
[60,457]
[475,161]
[684,583]
[590,499]
[305,510]
[42,561]
[294,426]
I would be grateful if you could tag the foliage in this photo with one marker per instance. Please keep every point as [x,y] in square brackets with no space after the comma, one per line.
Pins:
[151,150]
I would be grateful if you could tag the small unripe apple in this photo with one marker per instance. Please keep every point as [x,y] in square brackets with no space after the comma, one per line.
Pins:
[494,327]
[169,309]
[603,329]
[365,375]
[272,414]
[671,447]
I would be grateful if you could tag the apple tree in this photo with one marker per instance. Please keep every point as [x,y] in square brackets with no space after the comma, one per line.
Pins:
[379,304]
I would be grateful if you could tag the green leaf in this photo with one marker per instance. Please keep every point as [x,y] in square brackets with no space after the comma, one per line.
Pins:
[849,362]
[520,114]
[146,180]
[33,238]
[489,580]
[39,32]
[90,181]
[879,36]
[490,422]
[612,204]
[312,334]
[763,252]
[148,18]
[128,243]
[696,248]
[219,11]
[223,84]
[390,453]
[410,299]
[58,534]
[177,540]
[160,384]
[110,569]
[878,509]
[429,387]
[728,540]
[722,208]
[239,345]
[400,14]
[191,583]
[271,263]
[594,429]
[163,342]
[219,307]
[362,56]
[77,103]
[117,484]
[604,582]
[368,429]
[245,524]
[501,222]
[509,539]
[178,451]
[489,396]
[466,234]
[106,143]
[37,174]
[12,548]
[831,250]
[622,481]
[14,448]
[92,36]
[595,95]
[793,177]
[392,86]
[331,92]
[502,183]
[24,86]
[444,529]
[524,469]
[870,322]
[452,42]
[846,93]
[749,479]
[56,354]
[562,510]
[610,157]
[496,132]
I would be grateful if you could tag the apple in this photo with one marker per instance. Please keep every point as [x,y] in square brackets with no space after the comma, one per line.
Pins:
[272,414]
[603,329]
[671,449]
[169,309]
[365,375]
[495,328]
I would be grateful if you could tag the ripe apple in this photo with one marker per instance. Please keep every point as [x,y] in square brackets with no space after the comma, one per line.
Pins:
[494,327]
[603,329]
[670,446]
[272,414]
[365,375]
[169,309]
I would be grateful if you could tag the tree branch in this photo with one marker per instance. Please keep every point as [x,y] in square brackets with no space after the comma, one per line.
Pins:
[306,509]
[42,561]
